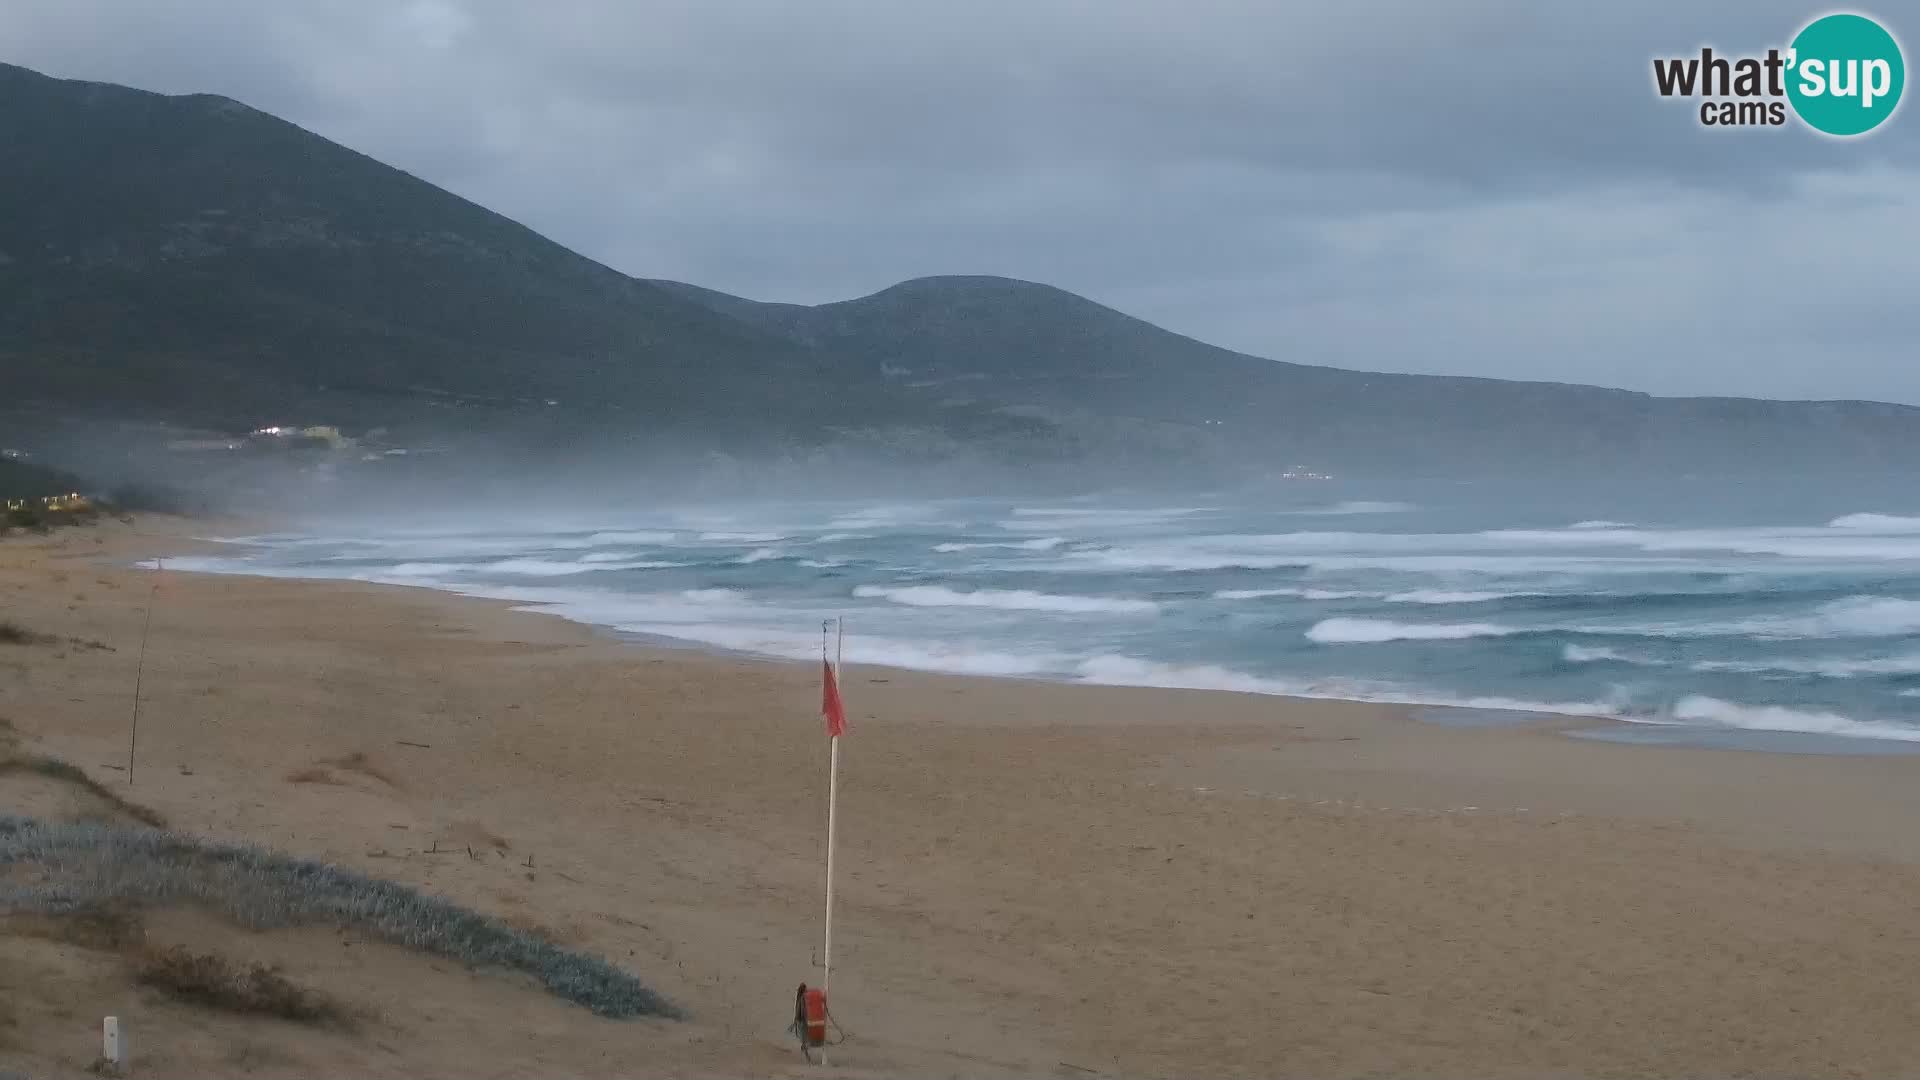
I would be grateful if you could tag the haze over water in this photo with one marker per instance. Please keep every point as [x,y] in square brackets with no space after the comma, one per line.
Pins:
[1672,612]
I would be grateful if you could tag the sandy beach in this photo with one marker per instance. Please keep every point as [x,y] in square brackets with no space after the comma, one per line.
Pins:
[1039,879]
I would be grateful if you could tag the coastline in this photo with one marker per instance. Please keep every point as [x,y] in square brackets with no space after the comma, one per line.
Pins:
[1581,722]
[1131,881]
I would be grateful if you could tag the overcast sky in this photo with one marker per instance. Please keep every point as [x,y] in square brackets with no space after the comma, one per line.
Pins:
[1487,188]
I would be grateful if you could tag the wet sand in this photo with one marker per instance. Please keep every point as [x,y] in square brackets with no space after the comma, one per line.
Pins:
[1038,879]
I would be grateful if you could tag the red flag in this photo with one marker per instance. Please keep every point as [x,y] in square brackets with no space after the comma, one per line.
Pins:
[830,707]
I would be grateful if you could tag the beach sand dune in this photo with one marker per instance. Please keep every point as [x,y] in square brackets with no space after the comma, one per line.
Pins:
[1038,879]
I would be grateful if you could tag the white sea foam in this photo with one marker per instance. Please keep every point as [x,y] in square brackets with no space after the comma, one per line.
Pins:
[1343,631]
[1175,557]
[1302,594]
[1601,524]
[1119,670]
[762,555]
[1443,596]
[1832,667]
[1414,596]
[716,596]
[516,567]
[417,548]
[550,568]
[1045,543]
[1113,670]
[1854,616]
[1699,709]
[740,537]
[1591,654]
[1213,554]
[1005,599]
[838,537]
[1881,523]
[1784,542]
[217,564]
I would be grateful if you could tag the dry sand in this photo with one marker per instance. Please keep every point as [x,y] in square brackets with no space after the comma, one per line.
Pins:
[1038,879]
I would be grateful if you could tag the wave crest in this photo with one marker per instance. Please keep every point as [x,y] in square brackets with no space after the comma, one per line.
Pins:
[1350,631]
[1005,600]
[1045,543]
[1300,594]
[1700,709]
[1876,522]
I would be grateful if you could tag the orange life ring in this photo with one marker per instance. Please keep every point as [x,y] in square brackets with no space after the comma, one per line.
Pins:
[813,1016]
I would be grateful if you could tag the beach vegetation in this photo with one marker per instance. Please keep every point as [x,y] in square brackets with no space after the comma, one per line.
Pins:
[211,980]
[84,866]
[12,633]
[68,773]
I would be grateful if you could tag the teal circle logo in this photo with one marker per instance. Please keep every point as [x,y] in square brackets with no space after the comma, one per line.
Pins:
[1845,74]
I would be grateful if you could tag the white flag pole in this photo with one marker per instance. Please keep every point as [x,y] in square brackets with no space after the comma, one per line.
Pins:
[833,804]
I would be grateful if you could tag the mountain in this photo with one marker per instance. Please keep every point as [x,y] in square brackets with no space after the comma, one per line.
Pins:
[194,261]
[1060,356]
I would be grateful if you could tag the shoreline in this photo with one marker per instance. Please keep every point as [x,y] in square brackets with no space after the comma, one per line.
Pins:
[1134,881]
[1647,732]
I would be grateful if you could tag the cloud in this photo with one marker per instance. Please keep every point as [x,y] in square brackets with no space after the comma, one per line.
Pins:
[1487,188]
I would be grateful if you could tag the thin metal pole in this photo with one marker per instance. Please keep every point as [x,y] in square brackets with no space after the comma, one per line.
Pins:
[833,805]
[140,667]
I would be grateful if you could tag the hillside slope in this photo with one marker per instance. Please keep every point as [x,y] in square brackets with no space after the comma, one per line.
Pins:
[1024,344]
[194,261]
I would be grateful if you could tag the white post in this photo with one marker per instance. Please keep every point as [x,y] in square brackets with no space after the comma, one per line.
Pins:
[112,1046]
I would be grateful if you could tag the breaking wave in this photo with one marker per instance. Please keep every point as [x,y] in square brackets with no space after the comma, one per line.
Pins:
[1005,600]
[1045,543]
[1700,709]
[1594,654]
[1302,594]
[525,567]
[1346,631]
[1886,523]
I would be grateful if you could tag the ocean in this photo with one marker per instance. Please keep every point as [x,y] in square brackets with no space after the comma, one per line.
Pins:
[1679,614]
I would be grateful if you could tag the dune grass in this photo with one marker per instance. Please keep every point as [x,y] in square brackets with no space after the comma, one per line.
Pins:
[12,633]
[87,866]
[55,769]
[214,981]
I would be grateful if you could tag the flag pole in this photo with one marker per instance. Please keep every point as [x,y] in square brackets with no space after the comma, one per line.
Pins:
[833,804]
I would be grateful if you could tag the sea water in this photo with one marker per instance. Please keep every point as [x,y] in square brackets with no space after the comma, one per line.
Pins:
[1667,613]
